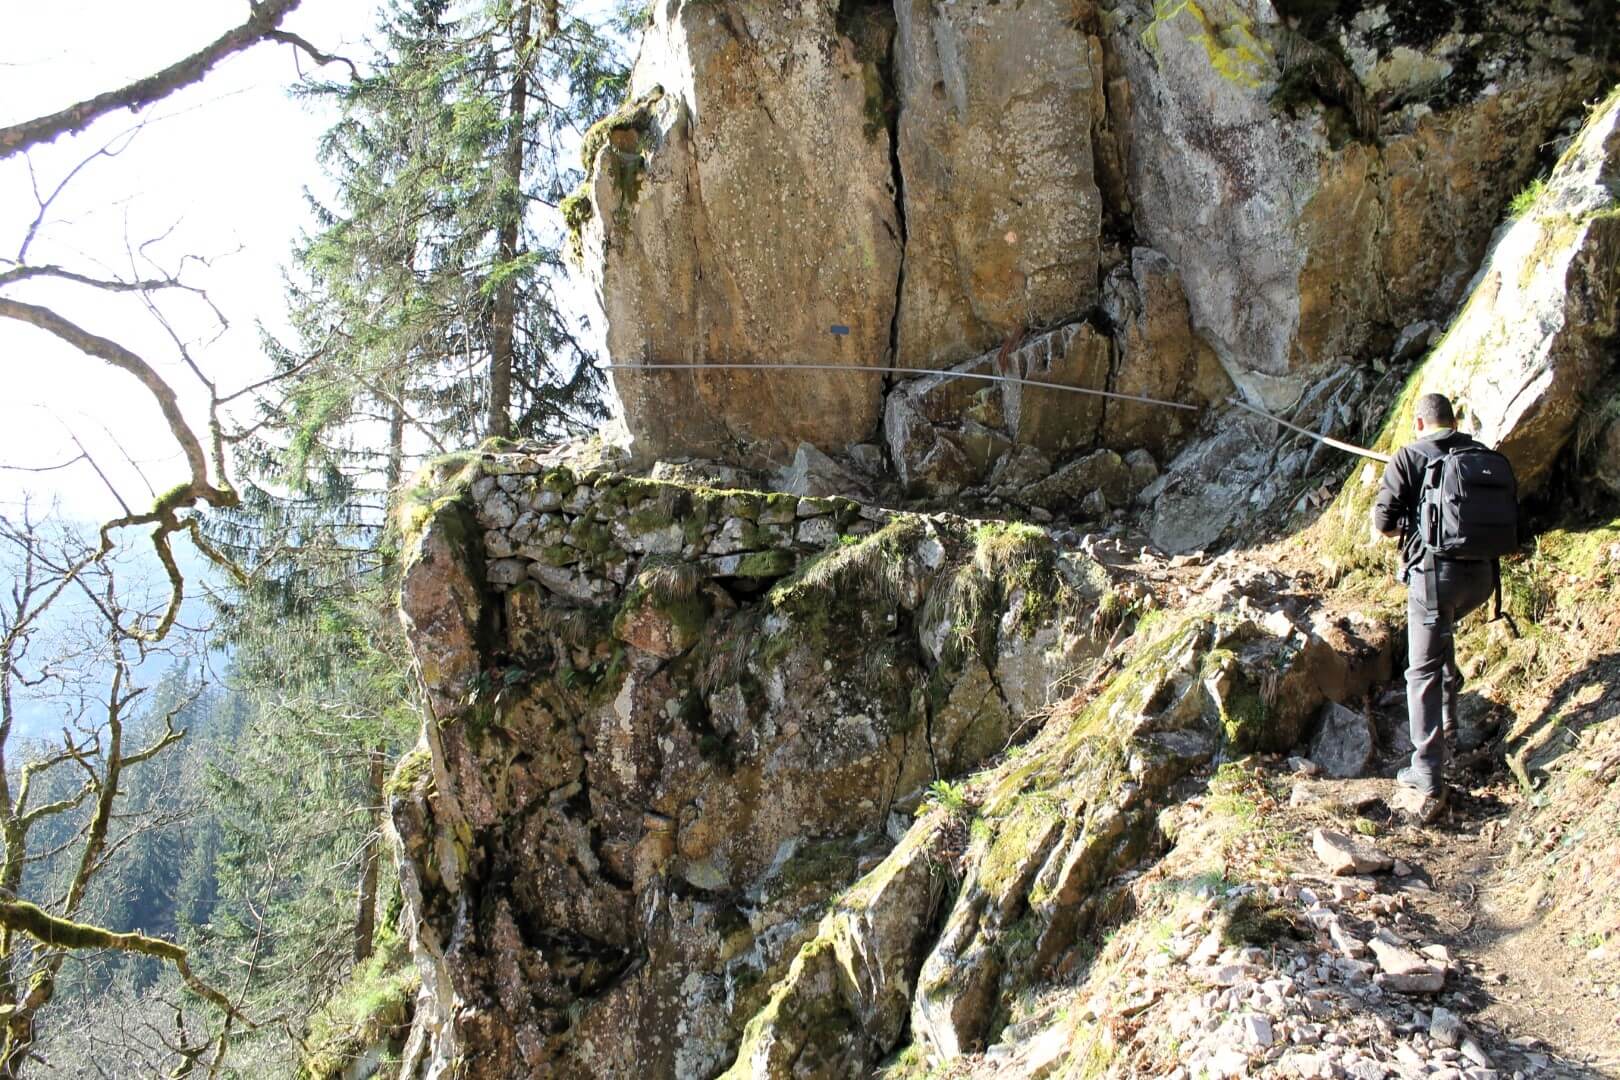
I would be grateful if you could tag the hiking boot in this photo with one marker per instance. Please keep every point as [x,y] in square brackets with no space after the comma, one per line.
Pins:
[1419,799]
[1423,785]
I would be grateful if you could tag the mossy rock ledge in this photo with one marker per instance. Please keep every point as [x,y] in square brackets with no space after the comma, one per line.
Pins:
[667,803]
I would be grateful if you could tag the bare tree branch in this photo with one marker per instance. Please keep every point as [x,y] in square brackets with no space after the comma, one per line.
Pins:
[263,20]
[48,929]
[119,357]
[287,37]
[23,273]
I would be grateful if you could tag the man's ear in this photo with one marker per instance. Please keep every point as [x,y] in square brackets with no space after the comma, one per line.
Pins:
[1420,425]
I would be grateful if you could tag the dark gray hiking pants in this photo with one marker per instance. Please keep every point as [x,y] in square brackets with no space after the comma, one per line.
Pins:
[1432,678]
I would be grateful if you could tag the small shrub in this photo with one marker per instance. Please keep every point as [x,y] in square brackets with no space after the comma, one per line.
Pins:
[953,797]
[1525,200]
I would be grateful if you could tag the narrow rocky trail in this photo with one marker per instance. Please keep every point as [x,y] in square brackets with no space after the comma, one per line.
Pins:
[1469,948]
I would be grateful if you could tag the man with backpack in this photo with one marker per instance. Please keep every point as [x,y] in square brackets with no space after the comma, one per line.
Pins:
[1454,503]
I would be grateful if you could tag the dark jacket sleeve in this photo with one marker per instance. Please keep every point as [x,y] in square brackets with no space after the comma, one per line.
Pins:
[1396,502]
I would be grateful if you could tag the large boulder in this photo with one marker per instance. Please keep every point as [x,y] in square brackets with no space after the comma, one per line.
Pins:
[743,210]
[1306,226]
[998,103]
[1536,337]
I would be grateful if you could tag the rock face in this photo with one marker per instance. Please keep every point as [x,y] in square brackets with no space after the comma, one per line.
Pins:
[668,725]
[1163,200]
[749,216]
[1055,835]
[661,819]
[947,432]
[1306,238]
[1003,214]
[1535,340]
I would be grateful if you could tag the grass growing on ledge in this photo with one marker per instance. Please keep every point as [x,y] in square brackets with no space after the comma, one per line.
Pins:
[374,1007]
[1525,201]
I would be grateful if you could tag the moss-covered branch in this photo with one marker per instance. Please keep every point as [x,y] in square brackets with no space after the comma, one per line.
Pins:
[59,933]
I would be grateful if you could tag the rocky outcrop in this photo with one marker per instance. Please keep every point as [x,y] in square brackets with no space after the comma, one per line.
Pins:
[668,724]
[997,106]
[1525,357]
[1161,200]
[746,213]
[1044,846]
[1307,230]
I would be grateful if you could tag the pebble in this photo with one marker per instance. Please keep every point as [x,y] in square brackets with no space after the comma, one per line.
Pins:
[1343,854]
[1256,1030]
[1446,1027]
[1471,1050]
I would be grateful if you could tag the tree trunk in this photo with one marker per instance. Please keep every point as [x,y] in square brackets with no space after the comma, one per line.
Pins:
[365,916]
[507,231]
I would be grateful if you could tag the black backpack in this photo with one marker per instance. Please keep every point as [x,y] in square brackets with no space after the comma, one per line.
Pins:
[1468,509]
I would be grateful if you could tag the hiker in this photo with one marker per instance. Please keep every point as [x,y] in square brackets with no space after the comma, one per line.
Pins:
[1454,503]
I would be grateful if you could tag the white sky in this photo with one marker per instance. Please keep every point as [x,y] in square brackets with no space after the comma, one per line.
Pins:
[220,167]
[219,171]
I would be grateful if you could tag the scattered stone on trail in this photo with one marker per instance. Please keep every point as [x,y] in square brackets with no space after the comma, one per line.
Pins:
[1353,794]
[1404,971]
[1472,1051]
[1426,980]
[1343,746]
[1257,1030]
[1446,1027]
[1345,941]
[1343,854]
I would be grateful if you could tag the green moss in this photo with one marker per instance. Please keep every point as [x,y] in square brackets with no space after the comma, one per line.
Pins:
[439,489]
[649,519]
[842,587]
[766,564]
[677,603]
[173,498]
[796,1021]
[577,211]
[1018,838]
[560,481]
[781,505]
[591,537]
[559,555]
[409,772]
[372,1008]
[633,116]
[1244,721]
